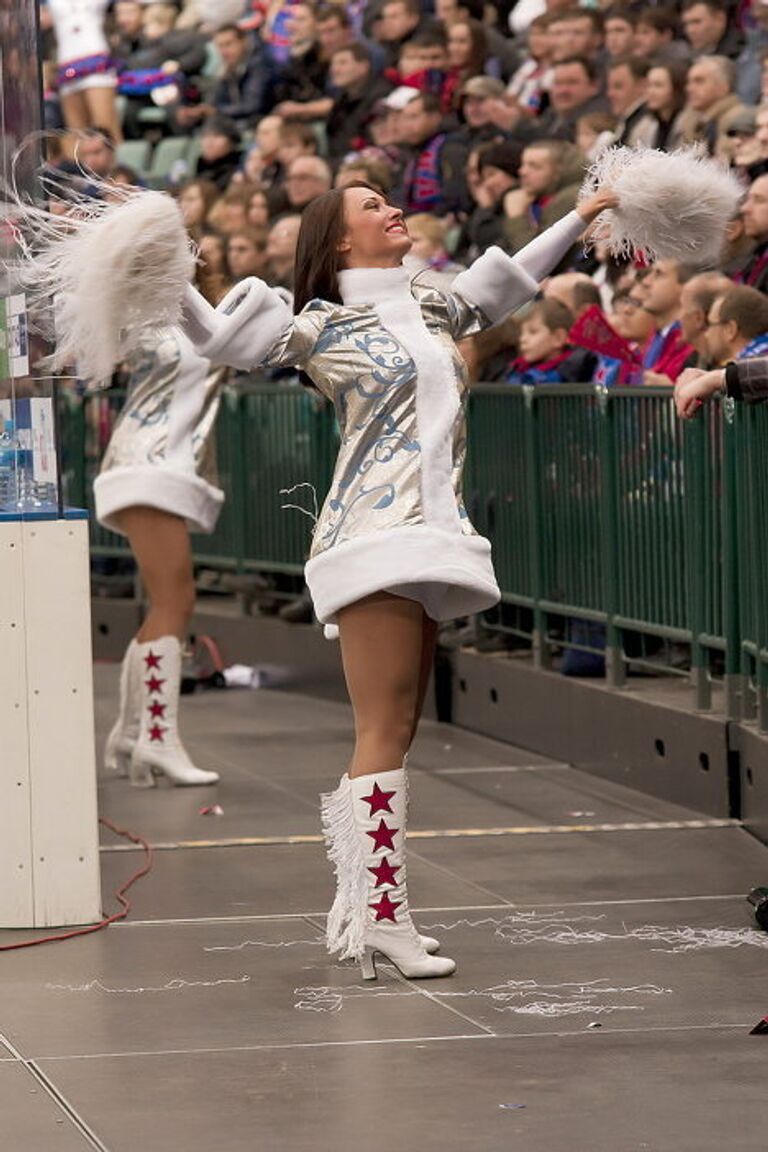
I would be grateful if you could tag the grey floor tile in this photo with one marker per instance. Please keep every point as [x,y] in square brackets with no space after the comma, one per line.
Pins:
[555,869]
[31,1121]
[576,1094]
[260,882]
[151,989]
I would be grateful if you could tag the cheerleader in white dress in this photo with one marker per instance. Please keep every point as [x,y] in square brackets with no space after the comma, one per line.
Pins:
[86,74]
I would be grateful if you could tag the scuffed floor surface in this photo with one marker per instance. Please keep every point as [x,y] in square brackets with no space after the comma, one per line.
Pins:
[609,972]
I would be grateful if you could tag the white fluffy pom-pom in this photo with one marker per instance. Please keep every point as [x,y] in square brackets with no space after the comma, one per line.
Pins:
[105,271]
[672,206]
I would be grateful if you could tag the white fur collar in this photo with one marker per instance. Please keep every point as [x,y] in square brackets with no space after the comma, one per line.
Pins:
[374,285]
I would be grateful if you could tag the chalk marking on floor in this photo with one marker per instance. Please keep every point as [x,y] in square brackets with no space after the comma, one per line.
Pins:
[439,834]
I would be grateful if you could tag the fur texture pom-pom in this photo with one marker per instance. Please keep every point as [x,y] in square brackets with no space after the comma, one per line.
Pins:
[672,206]
[102,273]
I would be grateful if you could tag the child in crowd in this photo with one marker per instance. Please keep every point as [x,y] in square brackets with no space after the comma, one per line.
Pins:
[546,354]
[594,132]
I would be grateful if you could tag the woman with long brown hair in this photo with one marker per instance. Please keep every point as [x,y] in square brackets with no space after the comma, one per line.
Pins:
[393,551]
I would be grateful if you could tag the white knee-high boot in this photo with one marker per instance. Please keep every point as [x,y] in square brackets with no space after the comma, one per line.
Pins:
[158,750]
[125,730]
[364,822]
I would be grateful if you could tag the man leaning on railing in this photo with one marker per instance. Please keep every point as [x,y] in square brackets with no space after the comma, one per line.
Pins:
[746,380]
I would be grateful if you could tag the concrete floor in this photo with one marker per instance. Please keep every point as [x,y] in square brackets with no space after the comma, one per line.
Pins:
[609,973]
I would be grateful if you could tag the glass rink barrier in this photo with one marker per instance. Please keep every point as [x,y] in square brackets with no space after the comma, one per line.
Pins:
[48,822]
[618,531]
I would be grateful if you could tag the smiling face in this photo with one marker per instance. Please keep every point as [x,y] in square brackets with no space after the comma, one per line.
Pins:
[375,233]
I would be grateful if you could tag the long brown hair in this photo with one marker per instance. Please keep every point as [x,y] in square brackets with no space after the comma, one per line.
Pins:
[318,259]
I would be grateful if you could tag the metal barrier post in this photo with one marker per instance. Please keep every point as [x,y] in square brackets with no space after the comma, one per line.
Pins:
[615,671]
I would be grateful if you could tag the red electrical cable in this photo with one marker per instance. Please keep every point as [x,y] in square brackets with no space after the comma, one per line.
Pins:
[119,896]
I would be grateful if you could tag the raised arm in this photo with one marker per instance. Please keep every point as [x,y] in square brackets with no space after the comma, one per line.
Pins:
[498,284]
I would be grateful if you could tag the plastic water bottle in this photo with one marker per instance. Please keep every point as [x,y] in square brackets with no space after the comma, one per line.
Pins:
[8,467]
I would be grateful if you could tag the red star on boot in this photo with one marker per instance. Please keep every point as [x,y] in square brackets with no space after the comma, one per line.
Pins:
[385,873]
[382,837]
[151,660]
[378,800]
[156,734]
[157,710]
[385,909]
[153,684]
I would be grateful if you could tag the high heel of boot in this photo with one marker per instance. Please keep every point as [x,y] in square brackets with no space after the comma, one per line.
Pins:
[368,965]
[140,772]
[117,753]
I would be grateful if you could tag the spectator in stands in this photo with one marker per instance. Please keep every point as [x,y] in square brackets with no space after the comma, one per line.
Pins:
[619,28]
[656,37]
[696,299]
[626,79]
[296,139]
[575,290]
[708,30]
[467,50]
[259,210]
[398,21]
[128,16]
[575,92]
[630,319]
[425,177]
[666,353]
[357,92]
[498,173]
[665,99]
[551,174]
[268,137]
[220,153]
[750,153]
[230,212]
[546,355]
[477,99]
[737,326]
[246,253]
[528,88]
[213,260]
[303,77]
[307,177]
[576,32]
[711,104]
[500,48]
[94,152]
[164,55]
[196,199]
[428,258]
[754,213]
[281,251]
[595,132]
[742,380]
[240,90]
[371,169]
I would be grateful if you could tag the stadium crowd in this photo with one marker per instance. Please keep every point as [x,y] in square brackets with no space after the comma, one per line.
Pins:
[479,120]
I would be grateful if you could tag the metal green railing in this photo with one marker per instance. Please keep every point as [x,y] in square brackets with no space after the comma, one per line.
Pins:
[602,508]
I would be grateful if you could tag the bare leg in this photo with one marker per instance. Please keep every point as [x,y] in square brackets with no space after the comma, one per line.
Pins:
[381,647]
[160,544]
[102,111]
[74,111]
[428,643]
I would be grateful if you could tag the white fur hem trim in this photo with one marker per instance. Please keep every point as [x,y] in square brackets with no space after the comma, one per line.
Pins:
[180,493]
[449,573]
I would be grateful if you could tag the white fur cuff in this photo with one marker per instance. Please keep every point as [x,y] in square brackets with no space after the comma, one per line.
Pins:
[243,327]
[153,486]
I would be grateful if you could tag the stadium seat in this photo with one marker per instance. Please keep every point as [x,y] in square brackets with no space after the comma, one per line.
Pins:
[134,153]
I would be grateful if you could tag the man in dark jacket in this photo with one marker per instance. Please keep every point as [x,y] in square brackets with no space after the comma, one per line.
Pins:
[220,153]
[357,92]
[240,91]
